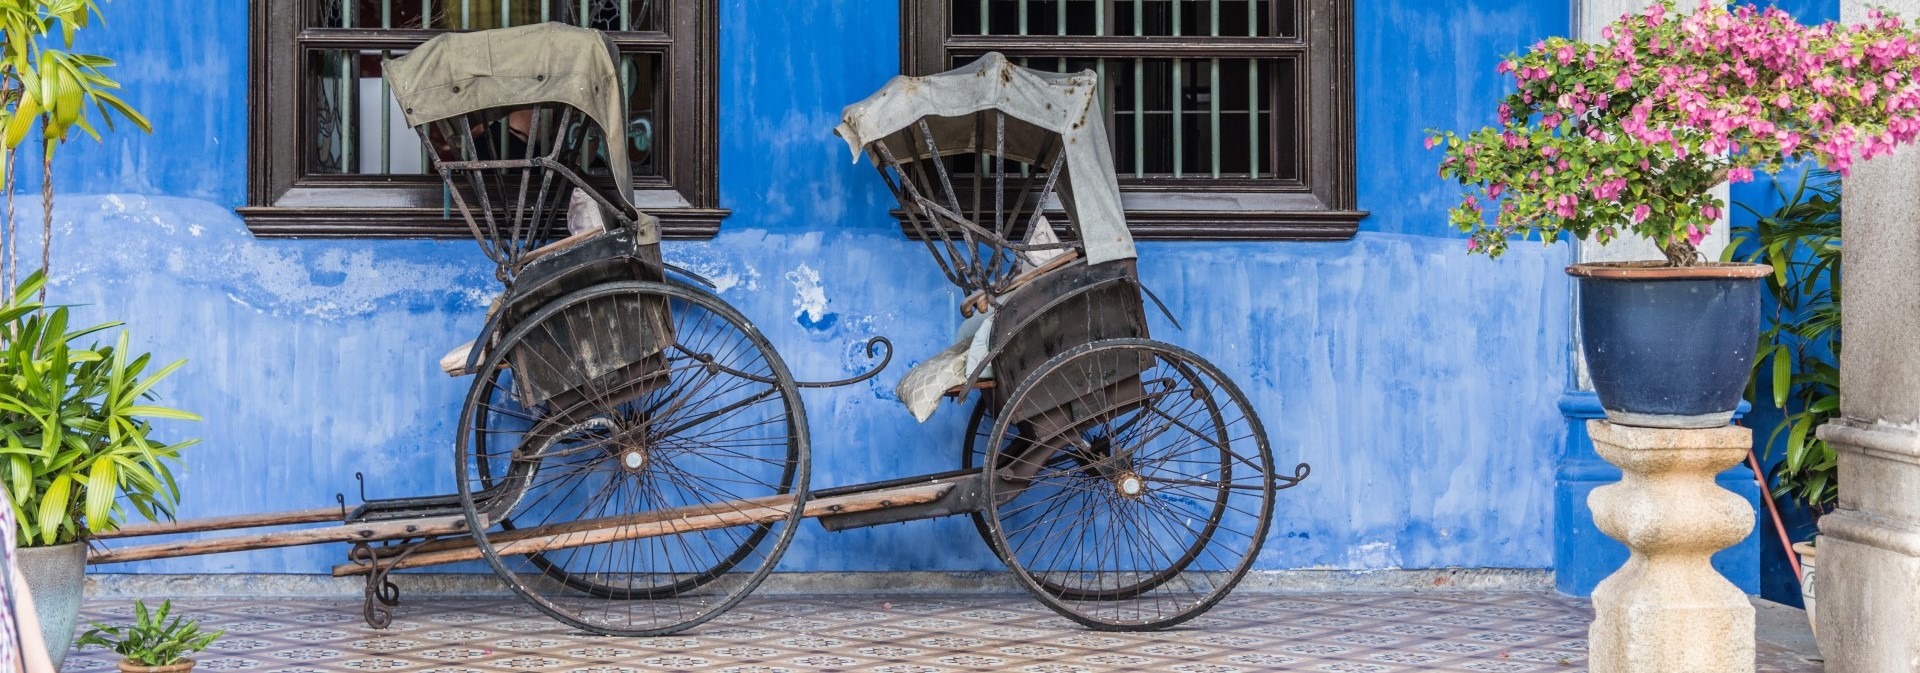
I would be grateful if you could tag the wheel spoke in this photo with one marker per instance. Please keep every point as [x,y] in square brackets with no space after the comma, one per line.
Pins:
[1156,500]
[663,432]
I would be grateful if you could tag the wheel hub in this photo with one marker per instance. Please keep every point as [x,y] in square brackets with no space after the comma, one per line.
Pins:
[633,459]
[1130,485]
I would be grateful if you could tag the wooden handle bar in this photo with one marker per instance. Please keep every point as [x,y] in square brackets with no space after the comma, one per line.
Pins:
[359,532]
[651,524]
[316,515]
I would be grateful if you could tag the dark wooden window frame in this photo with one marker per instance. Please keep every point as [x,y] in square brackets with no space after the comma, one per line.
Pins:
[1321,207]
[283,200]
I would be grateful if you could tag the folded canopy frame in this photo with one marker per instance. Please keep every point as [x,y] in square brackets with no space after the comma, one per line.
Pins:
[1050,124]
[554,87]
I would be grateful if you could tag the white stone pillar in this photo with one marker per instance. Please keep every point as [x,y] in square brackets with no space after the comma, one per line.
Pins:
[1869,607]
[1667,610]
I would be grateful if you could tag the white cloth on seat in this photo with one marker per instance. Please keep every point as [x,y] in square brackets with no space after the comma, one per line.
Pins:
[454,363]
[584,215]
[923,385]
[1042,234]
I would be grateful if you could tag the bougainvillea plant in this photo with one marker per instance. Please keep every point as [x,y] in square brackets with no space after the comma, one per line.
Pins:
[1632,133]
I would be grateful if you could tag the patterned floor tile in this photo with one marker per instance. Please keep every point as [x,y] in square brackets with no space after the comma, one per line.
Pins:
[1335,633]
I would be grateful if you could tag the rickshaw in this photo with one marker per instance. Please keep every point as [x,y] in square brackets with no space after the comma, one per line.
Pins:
[632,457]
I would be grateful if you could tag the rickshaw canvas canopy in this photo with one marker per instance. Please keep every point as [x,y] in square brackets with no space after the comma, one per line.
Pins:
[457,74]
[1045,105]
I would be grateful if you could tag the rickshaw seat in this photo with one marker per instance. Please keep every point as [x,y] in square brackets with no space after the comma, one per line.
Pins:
[978,301]
[562,244]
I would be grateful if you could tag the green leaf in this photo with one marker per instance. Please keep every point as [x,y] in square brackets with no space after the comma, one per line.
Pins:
[22,121]
[1824,405]
[102,484]
[1782,375]
[53,508]
[1796,444]
[149,411]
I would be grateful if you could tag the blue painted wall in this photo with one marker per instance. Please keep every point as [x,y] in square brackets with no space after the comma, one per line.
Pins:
[1421,383]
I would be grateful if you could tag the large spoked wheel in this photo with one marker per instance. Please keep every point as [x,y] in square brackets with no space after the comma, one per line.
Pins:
[632,495]
[1124,501]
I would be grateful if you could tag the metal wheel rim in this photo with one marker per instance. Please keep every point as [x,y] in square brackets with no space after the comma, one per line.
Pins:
[980,524]
[796,472]
[1190,365]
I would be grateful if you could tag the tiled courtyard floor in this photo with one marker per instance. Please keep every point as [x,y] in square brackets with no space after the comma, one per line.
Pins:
[1380,632]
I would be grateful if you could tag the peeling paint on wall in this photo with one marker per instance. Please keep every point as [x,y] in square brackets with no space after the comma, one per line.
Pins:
[810,299]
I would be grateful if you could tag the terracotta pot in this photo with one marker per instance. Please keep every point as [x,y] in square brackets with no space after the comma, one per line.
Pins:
[1669,347]
[1807,580]
[57,576]
[181,666]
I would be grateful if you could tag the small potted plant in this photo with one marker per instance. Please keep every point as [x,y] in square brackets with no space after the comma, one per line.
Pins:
[152,644]
[1630,135]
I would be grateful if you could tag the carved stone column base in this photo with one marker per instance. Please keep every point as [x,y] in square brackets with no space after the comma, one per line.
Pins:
[1667,609]
[1869,607]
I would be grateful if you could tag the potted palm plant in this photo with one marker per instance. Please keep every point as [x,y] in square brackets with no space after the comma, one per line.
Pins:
[76,447]
[1799,345]
[1631,134]
[152,644]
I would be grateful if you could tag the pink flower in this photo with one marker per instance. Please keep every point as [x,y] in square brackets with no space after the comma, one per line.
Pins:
[1740,174]
[1432,141]
[1640,213]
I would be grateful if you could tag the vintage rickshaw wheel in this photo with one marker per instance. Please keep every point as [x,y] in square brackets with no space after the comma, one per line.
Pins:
[1155,528]
[579,488]
[980,430]
[585,583]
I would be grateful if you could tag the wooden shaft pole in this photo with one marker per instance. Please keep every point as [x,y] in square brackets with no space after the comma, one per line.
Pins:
[651,524]
[316,515]
[362,532]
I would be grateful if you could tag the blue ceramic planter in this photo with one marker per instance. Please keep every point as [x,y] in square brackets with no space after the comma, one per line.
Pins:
[1669,347]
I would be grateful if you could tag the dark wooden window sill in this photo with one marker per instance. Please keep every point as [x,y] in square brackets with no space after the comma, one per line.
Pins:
[313,222]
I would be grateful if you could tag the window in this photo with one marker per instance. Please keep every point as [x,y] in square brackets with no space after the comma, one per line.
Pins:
[1231,119]
[331,156]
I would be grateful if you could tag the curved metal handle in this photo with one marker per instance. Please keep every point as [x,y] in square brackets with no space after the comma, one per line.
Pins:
[872,344]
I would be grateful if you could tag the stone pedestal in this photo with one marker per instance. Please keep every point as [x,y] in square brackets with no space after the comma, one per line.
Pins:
[1667,610]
